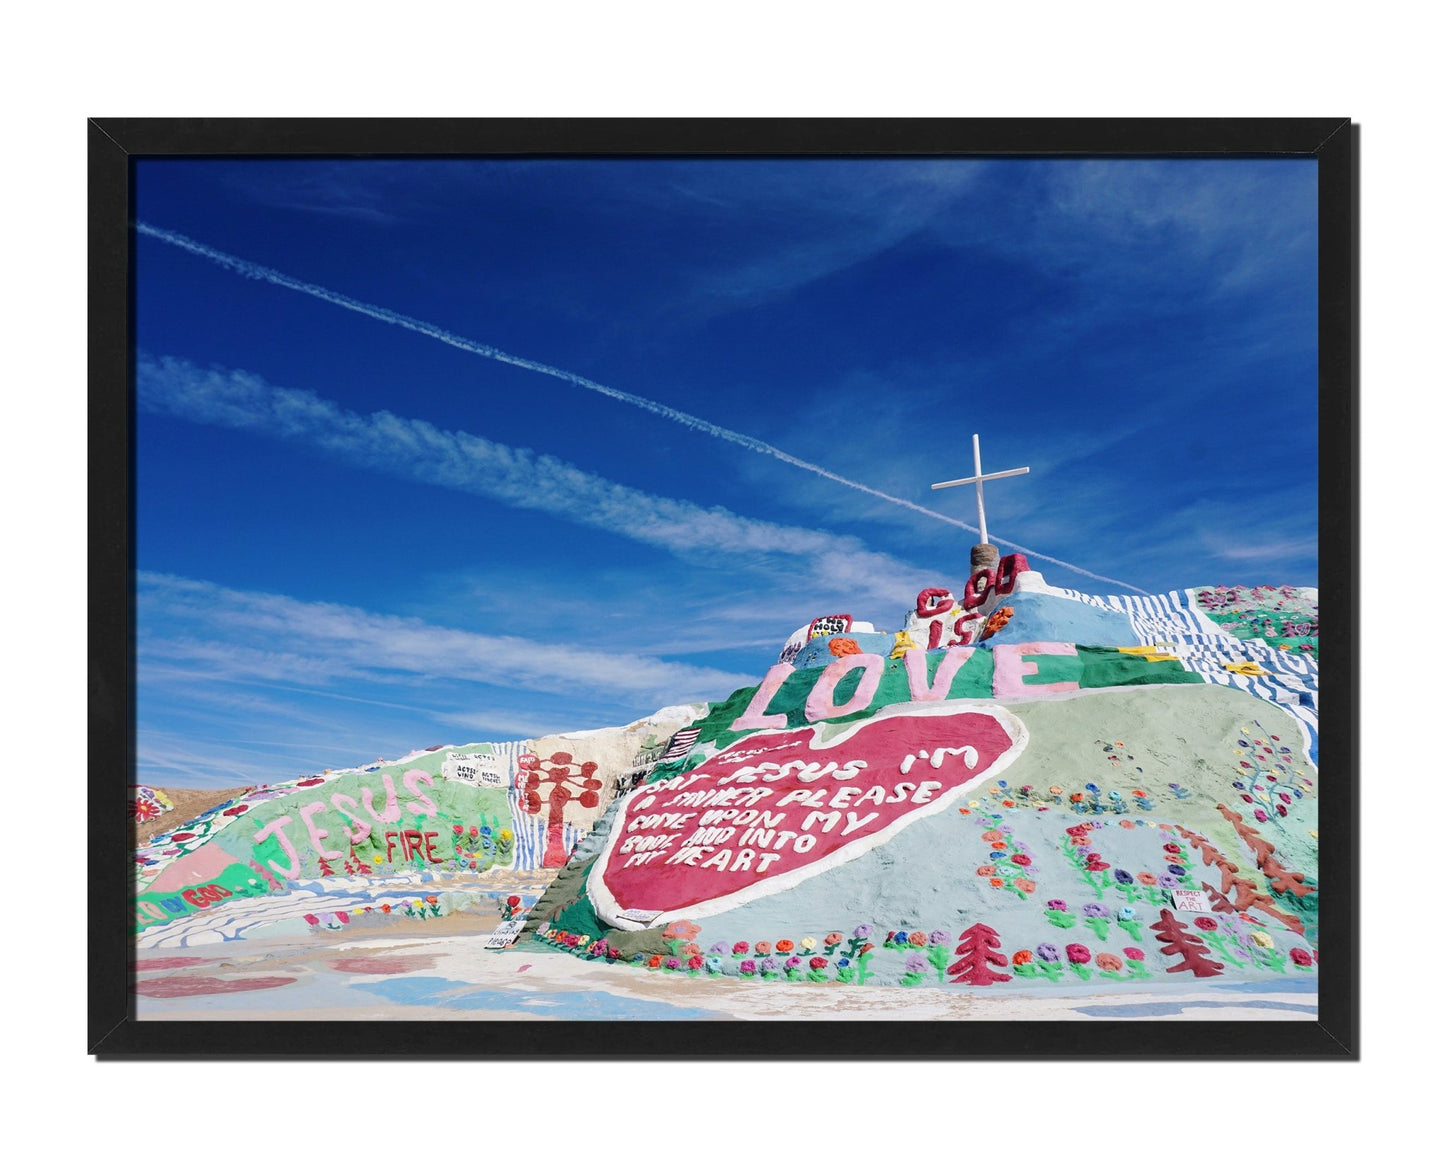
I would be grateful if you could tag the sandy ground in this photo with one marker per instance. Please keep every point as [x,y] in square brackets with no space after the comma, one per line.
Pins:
[438,969]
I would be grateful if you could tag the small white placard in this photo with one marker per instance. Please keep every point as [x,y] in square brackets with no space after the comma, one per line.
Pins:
[478,769]
[1193,900]
[505,934]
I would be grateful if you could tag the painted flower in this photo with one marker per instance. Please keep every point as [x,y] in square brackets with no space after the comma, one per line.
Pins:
[1134,953]
[996,882]
[936,938]
[714,964]
[1125,914]
[1022,957]
[1171,847]
[1047,952]
[864,931]
[672,963]
[808,943]
[1206,923]
[792,962]
[865,948]
[1178,870]
[740,948]
[817,962]
[456,828]
[1110,963]
[1077,952]
[506,835]
[767,966]
[692,949]
[747,967]
[1056,904]
[1174,858]
[1095,910]
[1021,859]
[1261,939]
[1024,884]
[1168,881]
[763,947]
[385,908]
[1300,957]
[655,961]
[843,964]
[1148,879]
[917,939]
[718,948]
[1123,877]
[916,964]
[833,939]
[784,946]
[695,963]
[982,871]
[471,832]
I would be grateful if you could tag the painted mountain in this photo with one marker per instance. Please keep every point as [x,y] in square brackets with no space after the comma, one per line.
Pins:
[1020,784]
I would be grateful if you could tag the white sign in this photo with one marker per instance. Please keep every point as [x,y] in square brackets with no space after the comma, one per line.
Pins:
[505,934]
[476,768]
[1193,900]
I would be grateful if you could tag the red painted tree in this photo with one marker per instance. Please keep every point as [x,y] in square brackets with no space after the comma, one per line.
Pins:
[977,948]
[1189,947]
[563,776]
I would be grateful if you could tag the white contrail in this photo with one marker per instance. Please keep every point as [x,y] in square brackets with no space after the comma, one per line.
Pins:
[261,273]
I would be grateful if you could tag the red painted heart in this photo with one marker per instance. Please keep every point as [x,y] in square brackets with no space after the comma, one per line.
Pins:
[778,807]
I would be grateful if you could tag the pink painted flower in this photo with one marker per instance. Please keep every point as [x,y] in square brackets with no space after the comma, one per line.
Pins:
[1300,957]
[1205,923]
[1077,952]
[1134,953]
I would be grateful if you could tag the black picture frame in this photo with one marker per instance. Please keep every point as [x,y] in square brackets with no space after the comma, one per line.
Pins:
[115,144]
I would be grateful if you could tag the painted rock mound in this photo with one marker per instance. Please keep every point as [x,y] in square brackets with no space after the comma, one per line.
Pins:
[994,793]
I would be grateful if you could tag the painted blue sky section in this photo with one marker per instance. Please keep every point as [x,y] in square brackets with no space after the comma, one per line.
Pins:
[357,538]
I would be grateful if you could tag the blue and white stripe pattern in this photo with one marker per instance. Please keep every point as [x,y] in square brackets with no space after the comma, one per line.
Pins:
[530,831]
[1176,624]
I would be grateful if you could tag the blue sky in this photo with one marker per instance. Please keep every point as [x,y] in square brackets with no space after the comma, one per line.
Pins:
[443,451]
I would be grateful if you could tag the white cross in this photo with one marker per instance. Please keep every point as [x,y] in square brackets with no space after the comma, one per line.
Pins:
[977,480]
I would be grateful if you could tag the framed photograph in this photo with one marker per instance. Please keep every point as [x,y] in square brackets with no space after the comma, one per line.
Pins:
[549,575]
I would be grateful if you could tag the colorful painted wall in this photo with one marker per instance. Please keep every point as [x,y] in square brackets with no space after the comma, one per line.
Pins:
[1028,812]
[423,836]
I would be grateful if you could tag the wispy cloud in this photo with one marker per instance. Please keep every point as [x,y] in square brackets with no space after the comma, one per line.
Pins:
[420,451]
[256,636]
[256,272]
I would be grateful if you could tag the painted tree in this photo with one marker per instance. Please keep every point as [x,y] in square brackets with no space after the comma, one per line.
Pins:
[978,946]
[569,782]
[1189,947]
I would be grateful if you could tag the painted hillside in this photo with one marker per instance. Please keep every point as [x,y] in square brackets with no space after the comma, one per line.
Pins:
[435,832]
[1023,784]
[1020,784]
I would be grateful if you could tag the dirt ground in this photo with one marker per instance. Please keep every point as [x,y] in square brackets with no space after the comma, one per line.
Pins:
[439,969]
